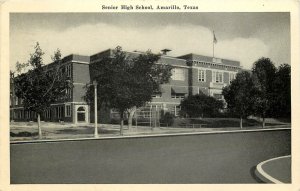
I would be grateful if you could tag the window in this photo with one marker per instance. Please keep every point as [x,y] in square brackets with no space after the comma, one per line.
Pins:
[26,114]
[175,110]
[22,114]
[146,114]
[201,75]
[178,74]
[68,69]
[231,76]
[217,76]
[156,95]
[16,100]
[68,110]
[177,95]
[47,114]
[58,112]
[68,92]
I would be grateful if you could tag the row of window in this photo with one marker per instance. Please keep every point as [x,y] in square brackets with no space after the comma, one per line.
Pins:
[57,112]
[173,95]
[216,62]
[19,101]
[21,114]
[182,96]
[217,76]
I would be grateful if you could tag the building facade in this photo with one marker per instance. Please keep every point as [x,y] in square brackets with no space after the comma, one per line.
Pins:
[191,74]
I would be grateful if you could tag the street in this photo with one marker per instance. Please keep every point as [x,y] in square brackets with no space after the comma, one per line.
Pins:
[210,158]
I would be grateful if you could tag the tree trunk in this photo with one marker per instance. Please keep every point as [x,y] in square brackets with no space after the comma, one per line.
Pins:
[263,123]
[121,122]
[39,125]
[241,122]
[131,114]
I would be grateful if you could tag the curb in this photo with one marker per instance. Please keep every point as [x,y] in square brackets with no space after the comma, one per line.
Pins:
[145,136]
[265,177]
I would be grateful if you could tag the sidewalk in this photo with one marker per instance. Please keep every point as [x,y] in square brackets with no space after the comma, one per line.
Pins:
[52,131]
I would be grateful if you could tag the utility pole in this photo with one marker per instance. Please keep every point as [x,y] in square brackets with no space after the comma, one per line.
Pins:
[96,109]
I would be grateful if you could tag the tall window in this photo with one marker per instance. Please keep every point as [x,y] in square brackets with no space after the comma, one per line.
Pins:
[231,76]
[217,76]
[58,112]
[68,92]
[69,71]
[175,110]
[178,74]
[47,114]
[68,110]
[201,75]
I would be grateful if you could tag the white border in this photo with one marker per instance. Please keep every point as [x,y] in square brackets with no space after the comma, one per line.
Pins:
[291,6]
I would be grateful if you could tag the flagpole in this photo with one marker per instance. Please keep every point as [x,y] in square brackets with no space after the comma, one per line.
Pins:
[213,45]
[214,42]
[213,49]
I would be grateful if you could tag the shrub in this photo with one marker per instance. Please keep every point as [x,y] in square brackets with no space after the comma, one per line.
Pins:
[200,105]
[167,119]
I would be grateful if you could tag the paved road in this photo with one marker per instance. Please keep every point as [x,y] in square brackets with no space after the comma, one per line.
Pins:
[212,158]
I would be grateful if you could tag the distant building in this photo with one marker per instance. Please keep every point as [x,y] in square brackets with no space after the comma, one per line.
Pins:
[192,73]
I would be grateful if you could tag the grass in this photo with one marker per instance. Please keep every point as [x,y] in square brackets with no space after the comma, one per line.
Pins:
[218,122]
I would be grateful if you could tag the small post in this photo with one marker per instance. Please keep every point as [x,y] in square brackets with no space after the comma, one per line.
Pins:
[136,120]
[150,116]
[96,109]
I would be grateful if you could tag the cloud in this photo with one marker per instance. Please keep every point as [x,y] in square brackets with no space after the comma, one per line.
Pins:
[245,50]
[90,39]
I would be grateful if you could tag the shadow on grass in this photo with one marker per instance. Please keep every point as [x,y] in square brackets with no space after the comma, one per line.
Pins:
[23,134]
[86,131]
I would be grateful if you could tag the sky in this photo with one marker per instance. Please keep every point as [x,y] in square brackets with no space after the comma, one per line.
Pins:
[244,37]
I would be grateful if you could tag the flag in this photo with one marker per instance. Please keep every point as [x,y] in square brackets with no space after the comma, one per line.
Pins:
[215,39]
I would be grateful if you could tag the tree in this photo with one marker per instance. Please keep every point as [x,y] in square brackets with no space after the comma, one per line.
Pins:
[263,77]
[127,82]
[200,105]
[281,99]
[238,96]
[41,85]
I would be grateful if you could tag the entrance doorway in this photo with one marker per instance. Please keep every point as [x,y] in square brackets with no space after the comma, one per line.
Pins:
[81,114]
